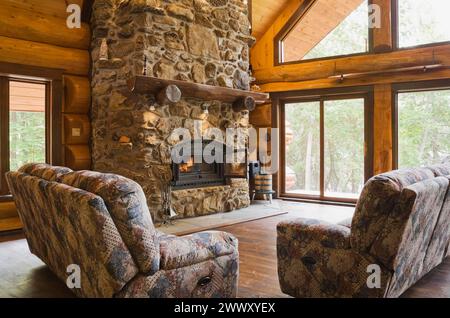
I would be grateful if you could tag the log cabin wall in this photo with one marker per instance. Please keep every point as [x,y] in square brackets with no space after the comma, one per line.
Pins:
[34,34]
[377,69]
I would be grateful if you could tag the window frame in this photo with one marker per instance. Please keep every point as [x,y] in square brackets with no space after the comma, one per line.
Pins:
[292,22]
[410,87]
[281,99]
[396,32]
[52,78]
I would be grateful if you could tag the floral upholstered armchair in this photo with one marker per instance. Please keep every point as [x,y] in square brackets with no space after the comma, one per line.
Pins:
[101,223]
[400,230]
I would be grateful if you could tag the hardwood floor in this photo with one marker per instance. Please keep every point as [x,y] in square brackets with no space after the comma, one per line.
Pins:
[24,275]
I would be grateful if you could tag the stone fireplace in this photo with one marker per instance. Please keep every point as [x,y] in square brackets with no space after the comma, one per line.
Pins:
[198,41]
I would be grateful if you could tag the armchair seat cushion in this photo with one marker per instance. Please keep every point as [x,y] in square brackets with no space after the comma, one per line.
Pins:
[306,231]
[177,252]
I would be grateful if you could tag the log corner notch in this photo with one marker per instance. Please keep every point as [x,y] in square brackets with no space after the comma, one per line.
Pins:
[246,103]
[169,94]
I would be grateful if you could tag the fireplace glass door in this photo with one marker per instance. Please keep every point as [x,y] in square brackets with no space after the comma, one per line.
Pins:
[192,174]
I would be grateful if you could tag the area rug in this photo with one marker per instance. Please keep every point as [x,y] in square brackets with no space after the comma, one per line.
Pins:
[258,210]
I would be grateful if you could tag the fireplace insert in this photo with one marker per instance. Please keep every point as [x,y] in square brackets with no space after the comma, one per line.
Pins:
[193,173]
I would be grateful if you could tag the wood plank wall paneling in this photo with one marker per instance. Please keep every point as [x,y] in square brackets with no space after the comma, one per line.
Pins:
[263,13]
[262,53]
[34,33]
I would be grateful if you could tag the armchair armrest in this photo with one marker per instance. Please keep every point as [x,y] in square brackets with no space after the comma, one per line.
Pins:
[315,259]
[308,230]
[177,252]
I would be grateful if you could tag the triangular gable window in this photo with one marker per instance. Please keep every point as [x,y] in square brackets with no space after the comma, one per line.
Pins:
[327,29]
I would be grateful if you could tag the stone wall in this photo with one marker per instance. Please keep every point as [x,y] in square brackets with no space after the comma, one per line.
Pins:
[202,41]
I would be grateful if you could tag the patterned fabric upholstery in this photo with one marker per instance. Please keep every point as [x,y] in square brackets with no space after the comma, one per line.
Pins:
[220,273]
[315,260]
[64,226]
[101,222]
[199,247]
[401,224]
[126,202]
[439,242]
[45,171]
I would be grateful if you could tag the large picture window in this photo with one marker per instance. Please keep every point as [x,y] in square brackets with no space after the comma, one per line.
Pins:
[345,31]
[24,105]
[324,147]
[422,124]
[422,22]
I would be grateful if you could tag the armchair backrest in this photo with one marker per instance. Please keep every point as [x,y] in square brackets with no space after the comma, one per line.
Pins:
[66,226]
[402,220]
[411,229]
[377,201]
[127,205]
[125,201]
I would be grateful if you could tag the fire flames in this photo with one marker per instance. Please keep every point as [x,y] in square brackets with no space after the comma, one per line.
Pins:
[186,167]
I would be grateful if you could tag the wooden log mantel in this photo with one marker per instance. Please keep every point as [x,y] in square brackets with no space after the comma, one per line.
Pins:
[153,85]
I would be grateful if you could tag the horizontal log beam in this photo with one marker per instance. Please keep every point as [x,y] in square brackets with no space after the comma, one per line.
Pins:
[389,78]
[78,157]
[71,61]
[55,8]
[7,210]
[77,95]
[323,69]
[31,26]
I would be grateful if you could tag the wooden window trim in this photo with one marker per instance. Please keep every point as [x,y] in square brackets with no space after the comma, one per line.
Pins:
[396,32]
[52,78]
[292,22]
[4,133]
[278,120]
[424,86]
